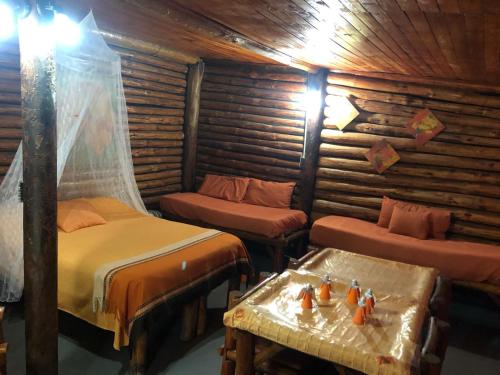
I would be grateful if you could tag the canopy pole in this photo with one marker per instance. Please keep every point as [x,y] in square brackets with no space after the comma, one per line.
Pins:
[192,111]
[40,202]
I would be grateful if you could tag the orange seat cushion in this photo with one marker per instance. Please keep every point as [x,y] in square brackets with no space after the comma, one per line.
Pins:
[455,259]
[265,221]
[76,214]
[439,219]
[229,188]
[269,193]
[410,223]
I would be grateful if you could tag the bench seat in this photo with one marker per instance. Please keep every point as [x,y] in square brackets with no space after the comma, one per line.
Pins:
[468,261]
[264,221]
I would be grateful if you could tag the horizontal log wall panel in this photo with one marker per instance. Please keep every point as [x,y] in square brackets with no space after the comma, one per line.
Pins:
[251,122]
[155,94]
[458,170]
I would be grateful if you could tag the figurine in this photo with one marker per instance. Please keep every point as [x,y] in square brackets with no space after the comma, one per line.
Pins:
[359,317]
[354,293]
[325,288]
[307,295]
[370,302]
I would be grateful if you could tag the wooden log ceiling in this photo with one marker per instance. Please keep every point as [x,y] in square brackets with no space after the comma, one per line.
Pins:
[450,40]
[155,94]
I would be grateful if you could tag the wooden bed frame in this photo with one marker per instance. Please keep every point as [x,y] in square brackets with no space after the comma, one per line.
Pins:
[244,354]
[3,346]
[194,322]
[275,246]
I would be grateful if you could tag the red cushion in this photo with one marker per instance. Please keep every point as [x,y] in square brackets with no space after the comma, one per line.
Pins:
[386,211]
[410,222]
[269,194]
[229,188]
[439,219]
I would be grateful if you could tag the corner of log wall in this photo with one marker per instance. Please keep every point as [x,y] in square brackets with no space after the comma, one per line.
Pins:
[251,121]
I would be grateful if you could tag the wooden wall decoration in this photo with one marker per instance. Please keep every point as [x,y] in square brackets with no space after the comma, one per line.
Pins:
[155,94]
[251,121]
[459,169]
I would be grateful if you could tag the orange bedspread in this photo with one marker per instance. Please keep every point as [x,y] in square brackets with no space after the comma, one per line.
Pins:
[266,221]
[133,290]
[455,259]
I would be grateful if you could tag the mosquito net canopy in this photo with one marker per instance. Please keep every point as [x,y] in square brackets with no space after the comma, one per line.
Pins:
[93,147]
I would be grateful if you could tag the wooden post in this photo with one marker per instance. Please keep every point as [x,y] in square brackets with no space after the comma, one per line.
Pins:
[245,350]
[195,76]
[316,82]
[40,201]
[201,326]
[189,320]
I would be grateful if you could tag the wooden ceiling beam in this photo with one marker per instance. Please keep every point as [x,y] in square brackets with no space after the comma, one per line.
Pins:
[149,48]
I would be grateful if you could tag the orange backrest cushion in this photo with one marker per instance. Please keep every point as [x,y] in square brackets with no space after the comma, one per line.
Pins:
[410,223]
[440,222]
[269,193]
[439,219]
[229,188]
[76,214]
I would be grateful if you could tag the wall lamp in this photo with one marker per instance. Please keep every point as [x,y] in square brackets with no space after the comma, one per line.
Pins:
[51,25]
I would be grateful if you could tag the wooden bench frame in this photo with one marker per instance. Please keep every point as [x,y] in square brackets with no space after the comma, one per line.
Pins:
[244,353]
[275,246]
[492,290]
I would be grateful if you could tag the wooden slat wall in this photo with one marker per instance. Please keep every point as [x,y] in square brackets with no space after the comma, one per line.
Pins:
[155,94]
[458,170]
[251,121]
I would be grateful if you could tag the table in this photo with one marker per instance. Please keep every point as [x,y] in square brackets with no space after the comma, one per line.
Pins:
[390,342]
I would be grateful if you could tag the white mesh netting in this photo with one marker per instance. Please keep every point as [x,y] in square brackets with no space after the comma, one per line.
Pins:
[93,146]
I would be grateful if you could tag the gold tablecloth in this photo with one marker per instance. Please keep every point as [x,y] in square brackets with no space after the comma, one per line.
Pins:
[390,341]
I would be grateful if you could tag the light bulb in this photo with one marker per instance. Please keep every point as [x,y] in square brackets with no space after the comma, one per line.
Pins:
[311,101]
[67,32]
[7,21]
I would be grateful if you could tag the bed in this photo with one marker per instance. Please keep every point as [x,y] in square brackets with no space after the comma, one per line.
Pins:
[113,274]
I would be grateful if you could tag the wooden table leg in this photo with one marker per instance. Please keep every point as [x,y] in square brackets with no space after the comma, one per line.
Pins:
[228,366]
[245,352]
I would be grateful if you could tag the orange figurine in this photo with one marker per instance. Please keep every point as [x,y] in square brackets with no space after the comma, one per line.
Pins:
[307,295]
[359,317]
[354,293]
[325,288]
[370,302]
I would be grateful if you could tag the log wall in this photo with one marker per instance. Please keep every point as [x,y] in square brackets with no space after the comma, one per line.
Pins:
[155,94]
[251,122]
[458,170]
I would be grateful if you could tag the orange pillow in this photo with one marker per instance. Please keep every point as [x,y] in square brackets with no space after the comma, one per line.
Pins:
[76,214]
[269,194]
[386,211]
[229,188]
[439,219]
[410,223]
[440,222]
